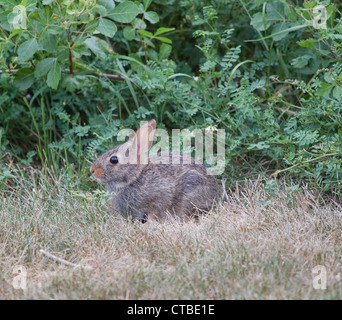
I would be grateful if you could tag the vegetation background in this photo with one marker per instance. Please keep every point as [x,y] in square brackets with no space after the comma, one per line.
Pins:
[73,73]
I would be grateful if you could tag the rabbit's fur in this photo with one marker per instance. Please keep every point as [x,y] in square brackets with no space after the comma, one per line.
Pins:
[153,190]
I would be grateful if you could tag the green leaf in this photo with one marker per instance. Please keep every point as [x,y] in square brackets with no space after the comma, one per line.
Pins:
[14,33]
[308,43]
[259,22]
[275,11]
[163,30]
[108,4]
[82,131]
[80,50]
[91,26]
[289,12]
[163,39]
[49,42]
[259,146]
[57,30]
[24,78]
[107,27]
[125,12]
[97,47]
[329,77]
[54,75]
[145,33]
[47,2]
[278,28]
[152,54]
[18,17]
[139,24]
[100,10]
[151,16]
[164,51]
[337,92]
[135,66]
[324,90]
[43,67]
[147,4]
[27,49]
[9,3]
[129,33]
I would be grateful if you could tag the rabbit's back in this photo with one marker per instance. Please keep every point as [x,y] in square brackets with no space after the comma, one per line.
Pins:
[177,189]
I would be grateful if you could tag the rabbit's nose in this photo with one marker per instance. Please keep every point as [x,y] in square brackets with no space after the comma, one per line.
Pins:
[92,170]
[97,172]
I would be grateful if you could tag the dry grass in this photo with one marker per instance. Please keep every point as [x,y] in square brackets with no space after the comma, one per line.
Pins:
[256,247]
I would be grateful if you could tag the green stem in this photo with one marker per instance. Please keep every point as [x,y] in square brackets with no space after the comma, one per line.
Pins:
[307,161]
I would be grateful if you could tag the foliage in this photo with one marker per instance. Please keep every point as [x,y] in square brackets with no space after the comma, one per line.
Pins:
[268,72]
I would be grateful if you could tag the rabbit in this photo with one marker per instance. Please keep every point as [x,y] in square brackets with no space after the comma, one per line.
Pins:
[145,189]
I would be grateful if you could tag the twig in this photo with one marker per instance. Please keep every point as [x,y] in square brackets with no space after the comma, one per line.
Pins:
[292,113]
[110,76]
[6,34]
[70,54]
[77,33]
[5,155]
[102,75]
[224,192]
[32,64]
[53,257]
[110,48]
[274,174]
[9,71]
[281,90]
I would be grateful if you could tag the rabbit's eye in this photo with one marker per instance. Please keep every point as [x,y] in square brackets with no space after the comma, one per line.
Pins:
[114,160]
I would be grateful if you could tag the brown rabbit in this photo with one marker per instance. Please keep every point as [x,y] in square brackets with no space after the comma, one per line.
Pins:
[153,190]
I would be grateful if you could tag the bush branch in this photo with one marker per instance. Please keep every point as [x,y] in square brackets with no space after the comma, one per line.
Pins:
[100,75]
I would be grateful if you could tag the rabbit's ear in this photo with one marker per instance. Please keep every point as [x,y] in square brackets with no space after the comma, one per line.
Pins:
[143,140]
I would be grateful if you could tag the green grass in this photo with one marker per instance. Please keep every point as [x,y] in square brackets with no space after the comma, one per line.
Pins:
[255,246]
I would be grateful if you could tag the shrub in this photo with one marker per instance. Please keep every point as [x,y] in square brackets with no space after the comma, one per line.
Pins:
[268,72]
